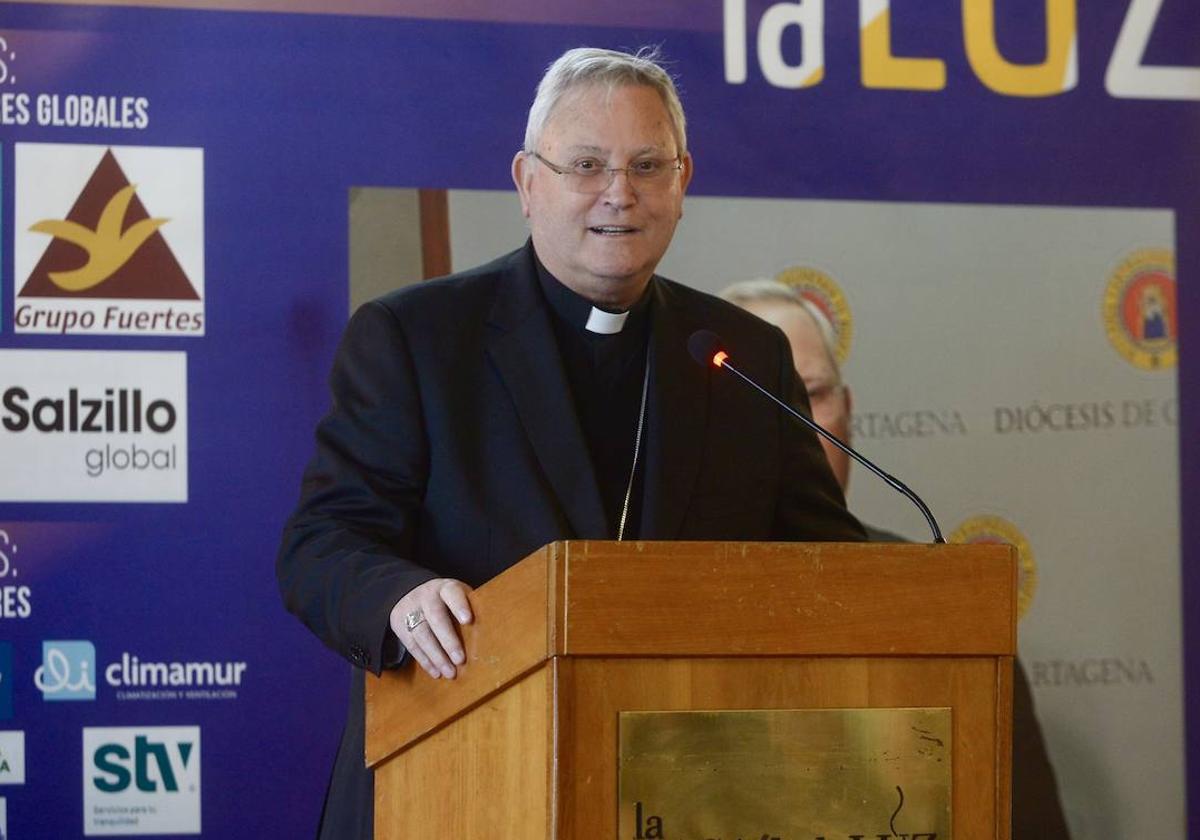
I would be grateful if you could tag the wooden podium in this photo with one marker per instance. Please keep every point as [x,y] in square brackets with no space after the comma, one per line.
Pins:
[524,743]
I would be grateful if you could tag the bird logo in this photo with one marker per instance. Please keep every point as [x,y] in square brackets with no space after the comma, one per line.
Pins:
[108,246]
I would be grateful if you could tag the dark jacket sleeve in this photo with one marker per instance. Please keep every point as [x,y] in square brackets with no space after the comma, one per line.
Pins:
[343,561]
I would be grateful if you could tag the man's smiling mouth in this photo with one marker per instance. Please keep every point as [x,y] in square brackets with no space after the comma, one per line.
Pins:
[612,230]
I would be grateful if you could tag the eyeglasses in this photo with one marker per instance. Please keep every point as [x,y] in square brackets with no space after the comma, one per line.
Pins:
[590,176]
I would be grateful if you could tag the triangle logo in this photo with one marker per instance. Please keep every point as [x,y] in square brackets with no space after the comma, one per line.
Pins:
[108,240]
[107,247]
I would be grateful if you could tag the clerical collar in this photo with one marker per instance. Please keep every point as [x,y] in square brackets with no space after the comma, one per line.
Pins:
[582,315]
[605,323]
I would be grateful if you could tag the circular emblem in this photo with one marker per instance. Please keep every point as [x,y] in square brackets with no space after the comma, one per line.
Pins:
[818,288]
[994,530]
[1139,309]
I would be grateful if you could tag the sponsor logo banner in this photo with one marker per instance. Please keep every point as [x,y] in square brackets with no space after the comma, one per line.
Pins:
[12,758]
[108,240]
[141,780]
[101,426]
[6,682]
[135,679]
[67,671]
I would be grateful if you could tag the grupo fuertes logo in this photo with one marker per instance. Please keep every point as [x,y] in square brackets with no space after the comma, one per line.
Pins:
[108,240]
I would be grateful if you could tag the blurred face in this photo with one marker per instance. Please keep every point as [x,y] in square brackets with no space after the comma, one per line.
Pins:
[603,246]
[830,400]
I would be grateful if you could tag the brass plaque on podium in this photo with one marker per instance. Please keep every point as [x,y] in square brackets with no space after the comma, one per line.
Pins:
[801,774]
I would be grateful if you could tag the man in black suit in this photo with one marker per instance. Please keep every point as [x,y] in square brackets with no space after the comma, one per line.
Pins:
[547,395]
[1037,811]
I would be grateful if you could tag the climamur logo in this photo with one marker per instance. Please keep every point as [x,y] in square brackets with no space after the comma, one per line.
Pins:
[137,679]
[67,671]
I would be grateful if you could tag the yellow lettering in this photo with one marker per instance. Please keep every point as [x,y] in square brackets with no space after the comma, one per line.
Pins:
[1058,73]
[882,69]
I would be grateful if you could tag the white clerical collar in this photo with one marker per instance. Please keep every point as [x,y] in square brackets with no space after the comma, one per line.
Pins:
[606,323]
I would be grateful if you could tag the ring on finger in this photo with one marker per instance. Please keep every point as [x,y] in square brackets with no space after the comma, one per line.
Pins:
[414,619]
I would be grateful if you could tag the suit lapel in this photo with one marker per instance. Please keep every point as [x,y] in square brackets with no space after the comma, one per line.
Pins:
[522,346]
[677,421]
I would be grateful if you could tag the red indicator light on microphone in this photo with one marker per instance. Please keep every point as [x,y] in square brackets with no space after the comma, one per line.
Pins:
[720,357]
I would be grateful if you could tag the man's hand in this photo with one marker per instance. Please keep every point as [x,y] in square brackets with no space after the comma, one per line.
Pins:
[423,621]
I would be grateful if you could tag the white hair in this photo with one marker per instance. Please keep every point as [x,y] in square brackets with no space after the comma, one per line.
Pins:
[764,290]
[611,69]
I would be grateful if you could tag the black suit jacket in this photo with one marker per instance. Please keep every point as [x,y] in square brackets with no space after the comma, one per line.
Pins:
[453,450]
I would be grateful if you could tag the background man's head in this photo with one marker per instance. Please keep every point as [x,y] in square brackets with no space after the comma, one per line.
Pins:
[814,355]
[601,232]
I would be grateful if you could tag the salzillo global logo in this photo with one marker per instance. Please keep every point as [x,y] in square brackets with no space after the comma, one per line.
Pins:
[67,671]
[108,240]
[141,780]
[100,426]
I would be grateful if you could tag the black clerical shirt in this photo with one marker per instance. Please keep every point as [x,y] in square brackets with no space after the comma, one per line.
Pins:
[605,373]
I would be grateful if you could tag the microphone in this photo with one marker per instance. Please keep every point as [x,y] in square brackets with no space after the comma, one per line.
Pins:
[707,349]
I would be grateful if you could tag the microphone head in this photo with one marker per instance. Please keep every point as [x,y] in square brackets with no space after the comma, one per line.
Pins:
[707,348]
